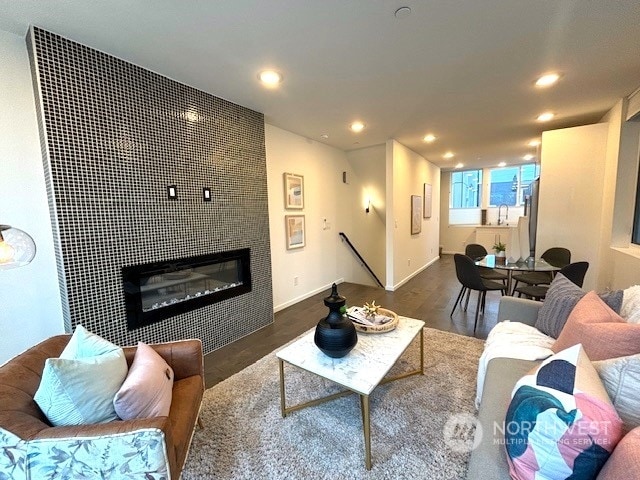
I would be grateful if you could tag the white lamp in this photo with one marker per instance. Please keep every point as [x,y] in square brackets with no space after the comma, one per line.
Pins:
[17,248]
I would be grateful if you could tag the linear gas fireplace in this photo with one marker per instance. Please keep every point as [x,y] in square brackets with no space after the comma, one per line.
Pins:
[160,290]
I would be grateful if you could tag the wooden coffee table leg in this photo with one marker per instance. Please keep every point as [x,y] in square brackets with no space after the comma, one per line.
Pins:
[366,426]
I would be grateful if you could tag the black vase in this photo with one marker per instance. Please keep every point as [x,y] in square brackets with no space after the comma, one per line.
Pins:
[335,335]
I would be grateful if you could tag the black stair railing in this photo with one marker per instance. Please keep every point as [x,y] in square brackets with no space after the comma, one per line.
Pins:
[362,260]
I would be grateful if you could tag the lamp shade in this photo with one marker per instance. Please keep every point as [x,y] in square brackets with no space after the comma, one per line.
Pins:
[17,248]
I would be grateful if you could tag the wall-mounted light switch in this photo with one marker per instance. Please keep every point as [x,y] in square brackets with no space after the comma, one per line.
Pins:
[206,194]
[172,192]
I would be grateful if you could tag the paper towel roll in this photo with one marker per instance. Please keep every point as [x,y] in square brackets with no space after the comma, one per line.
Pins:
[523,234]
[513,244]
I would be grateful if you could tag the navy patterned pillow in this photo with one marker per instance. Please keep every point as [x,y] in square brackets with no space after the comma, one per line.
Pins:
[560,423]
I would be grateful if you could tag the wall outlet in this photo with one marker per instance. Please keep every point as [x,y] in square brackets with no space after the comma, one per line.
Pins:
[296,281]
[408,262]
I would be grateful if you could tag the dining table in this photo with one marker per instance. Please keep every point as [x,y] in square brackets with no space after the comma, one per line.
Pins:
[529,265]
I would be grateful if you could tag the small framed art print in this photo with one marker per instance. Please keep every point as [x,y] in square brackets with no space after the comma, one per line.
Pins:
[293,191]
[416,214]
[295,233]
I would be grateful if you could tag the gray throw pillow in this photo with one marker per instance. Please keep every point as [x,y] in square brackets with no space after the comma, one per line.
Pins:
[561,297]
[621,378]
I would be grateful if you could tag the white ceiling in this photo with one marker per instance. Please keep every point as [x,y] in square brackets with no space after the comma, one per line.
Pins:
[462,69]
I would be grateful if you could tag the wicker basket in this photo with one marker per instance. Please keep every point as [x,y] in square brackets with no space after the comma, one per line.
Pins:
[387,327]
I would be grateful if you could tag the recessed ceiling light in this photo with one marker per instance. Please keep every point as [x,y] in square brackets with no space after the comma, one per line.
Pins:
[429,138]
[502,164]
[547,80]
[546,116]
[357,126]
[459,165]
[324,136]
[534,143]
[270,78]
[403,12]
[528,156]
[448,155]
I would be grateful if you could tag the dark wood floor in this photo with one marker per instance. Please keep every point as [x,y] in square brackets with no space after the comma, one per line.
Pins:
[428,296]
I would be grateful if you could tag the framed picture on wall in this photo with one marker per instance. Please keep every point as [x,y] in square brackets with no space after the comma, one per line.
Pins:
[293,191]
[416,214]
[426,211]
[294,225]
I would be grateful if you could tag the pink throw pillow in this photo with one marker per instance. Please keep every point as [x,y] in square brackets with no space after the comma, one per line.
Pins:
[624,462]
[601,331]
[146,392]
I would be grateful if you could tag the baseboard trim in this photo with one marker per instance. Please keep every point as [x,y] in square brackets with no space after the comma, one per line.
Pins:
[293,301]
[393,288]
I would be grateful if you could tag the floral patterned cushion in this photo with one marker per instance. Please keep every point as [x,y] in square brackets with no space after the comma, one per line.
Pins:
[139,454]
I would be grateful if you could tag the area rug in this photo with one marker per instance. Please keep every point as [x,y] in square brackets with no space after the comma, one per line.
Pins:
[245,437]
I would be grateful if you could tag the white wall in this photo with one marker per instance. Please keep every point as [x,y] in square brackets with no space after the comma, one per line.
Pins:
[407,254]
[366,179]
[621,259]
[324,259]
[601,196]
[29,296]
[572,194]
[453,238]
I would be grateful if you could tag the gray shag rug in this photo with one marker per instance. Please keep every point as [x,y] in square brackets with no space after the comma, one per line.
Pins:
[245,437]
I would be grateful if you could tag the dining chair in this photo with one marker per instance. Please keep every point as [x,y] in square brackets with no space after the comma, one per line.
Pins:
[476,252]
[574,272]
[469,277]
[556,256]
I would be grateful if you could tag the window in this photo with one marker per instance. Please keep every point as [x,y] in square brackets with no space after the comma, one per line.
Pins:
[509,185]
[465,189]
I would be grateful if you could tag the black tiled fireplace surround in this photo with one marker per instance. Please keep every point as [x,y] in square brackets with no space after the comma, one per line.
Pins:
[114,137]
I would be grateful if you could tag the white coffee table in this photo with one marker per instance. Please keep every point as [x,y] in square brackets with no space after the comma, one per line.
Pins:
[361,371]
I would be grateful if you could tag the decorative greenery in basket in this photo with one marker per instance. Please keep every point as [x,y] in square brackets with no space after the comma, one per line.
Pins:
[364,318]
[371,310]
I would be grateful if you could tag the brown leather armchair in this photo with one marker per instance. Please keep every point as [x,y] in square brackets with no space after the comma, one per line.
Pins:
[151,446]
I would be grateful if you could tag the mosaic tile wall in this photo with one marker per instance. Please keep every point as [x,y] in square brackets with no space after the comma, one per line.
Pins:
[114,136]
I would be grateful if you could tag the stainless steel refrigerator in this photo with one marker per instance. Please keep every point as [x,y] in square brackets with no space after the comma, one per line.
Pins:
[531,212]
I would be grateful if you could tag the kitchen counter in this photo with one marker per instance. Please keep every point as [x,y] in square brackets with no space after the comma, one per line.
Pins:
[506,225]
[489,235]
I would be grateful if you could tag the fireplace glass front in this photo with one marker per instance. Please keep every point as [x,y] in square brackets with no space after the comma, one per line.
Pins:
[160,290]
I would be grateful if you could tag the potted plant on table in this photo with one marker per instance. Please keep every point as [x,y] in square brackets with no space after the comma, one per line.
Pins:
[500,249]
